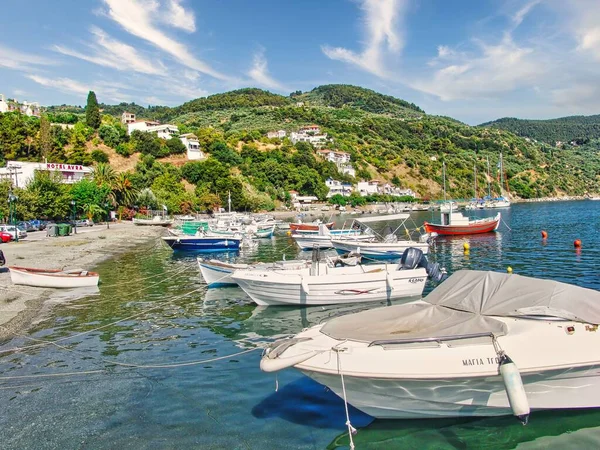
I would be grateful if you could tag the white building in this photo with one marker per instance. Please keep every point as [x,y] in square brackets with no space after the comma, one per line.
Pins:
[365,188]
[166,131]
[280,134]
[316,140]
[337,187]
[30,109]
[20,173]
[3,104]
[192,145]
[335,157]
[127,117]
[314,129]
[347,169]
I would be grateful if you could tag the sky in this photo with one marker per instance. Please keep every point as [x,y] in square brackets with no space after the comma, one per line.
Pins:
[474,60]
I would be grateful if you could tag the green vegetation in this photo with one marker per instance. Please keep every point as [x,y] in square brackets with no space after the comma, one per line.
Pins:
[388,139]
[577,129]
[92,111]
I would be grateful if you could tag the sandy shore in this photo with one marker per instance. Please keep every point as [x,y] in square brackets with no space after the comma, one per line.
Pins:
[19,305]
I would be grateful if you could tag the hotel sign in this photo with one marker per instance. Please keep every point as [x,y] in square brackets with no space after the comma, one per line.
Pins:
[67,167]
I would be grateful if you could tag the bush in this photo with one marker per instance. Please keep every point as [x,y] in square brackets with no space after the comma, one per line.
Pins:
[99,156]
[125,149]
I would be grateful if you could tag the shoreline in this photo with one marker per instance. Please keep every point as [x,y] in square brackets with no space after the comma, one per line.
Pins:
[21,305]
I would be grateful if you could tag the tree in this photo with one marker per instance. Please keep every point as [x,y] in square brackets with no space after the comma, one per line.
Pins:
[99,156]
[227,156]
[103,174]
[175,146]
[45,137]
[110,135]
[92,112]
[147,199]
[123,191]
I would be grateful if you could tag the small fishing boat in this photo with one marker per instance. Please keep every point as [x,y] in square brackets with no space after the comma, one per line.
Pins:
[377,250]
[204,244]
[454,223]
[480,344]
[218,273]
[155,221]
[324,285]
[309,226]
[53,278]
[323,239]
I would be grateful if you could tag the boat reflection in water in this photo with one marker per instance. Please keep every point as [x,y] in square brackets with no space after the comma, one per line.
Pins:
[575,428]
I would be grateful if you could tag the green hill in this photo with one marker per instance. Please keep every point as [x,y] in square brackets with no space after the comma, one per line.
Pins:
[580,129]
[389,139]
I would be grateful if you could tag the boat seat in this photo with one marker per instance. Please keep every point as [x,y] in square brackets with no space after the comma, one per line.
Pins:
[83,273]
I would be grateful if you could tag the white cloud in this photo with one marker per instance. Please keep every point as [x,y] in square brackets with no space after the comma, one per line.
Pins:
[112,53]
[519,16]
[178,17]
[66,85]
[382,37]
[260,73]
[14,59]
[139,18]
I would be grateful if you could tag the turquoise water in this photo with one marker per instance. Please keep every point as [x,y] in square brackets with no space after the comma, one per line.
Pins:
[72,395]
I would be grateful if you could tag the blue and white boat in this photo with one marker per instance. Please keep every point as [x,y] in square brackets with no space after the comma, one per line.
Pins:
[204,244]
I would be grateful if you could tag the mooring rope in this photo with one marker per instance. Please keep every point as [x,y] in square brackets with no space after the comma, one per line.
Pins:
[351,429]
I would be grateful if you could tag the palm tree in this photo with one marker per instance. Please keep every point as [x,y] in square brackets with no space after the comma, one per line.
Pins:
[122,190]
[91,209]
[104,174]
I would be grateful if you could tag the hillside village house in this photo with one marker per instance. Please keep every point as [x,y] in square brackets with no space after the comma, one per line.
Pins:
[337,187]
[365,188]
[165,131]
[192,145]
[280,134]
[127,118]
[29,109]
[334,157]
[20,173]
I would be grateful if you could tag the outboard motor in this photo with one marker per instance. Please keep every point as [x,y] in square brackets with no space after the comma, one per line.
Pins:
[2,258]
[435,272]
[411,258]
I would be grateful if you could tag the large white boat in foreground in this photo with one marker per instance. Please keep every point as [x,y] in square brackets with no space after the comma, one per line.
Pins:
[447,356]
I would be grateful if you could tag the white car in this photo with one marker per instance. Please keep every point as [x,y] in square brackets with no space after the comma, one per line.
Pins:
[11,229]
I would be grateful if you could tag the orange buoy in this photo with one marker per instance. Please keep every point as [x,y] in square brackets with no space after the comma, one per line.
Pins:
[544,234]
[577,243]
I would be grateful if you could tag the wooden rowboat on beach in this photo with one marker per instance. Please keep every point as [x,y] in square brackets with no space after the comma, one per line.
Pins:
[53,278]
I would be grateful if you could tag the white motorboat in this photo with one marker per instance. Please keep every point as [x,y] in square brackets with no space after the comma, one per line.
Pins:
[322,284]
[378,250]
[218,273]
[322,240]
[447,356]
[159,221]
[50,278]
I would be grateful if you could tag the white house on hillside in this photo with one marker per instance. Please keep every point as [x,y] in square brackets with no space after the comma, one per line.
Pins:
[280,134]
[192,145]
[127,117]
[334,157]
[3,104]
[30,109]
[365,188]
[166,131]
[337,187]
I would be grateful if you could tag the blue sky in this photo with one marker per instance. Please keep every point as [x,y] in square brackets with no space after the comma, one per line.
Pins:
[475,60]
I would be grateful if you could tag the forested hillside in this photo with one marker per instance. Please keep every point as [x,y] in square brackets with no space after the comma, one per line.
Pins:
[388,139]
[577,129]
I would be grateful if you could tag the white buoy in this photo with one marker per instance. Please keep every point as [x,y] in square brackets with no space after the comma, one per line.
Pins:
[517,398]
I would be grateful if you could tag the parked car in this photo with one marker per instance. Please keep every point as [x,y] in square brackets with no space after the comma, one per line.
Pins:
[5,237]
[27,226]
[39,224]
[84,223]
[12,230]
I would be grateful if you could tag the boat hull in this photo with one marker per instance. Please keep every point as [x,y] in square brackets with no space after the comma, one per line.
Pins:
[215,274]
[52,278]
[152,222]
[203,244]
[455,230]
[484,396]
[355,286]
[379,251]
[308,226]
[308,242]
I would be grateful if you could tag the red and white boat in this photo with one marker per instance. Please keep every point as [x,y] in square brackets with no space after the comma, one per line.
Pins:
[309,226]
[454,223]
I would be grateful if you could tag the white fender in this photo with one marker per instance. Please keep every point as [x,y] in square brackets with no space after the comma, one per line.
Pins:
[517,398]
[276,364]
[389,280]
[304,286]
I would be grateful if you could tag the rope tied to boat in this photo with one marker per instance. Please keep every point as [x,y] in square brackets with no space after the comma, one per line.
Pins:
[351,429]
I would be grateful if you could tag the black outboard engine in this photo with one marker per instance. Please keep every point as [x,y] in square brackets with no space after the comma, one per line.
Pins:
[411,258]
[2,258]
[435,272]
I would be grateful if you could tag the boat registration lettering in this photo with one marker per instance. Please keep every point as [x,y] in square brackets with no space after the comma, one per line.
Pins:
[416,280]
[481,361]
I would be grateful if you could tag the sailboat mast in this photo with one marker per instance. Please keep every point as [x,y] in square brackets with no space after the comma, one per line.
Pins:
[229,201]
[489,185]
[475,181]
[501,174]
[444,176]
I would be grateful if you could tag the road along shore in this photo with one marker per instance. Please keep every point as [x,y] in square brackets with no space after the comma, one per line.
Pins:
[20,305]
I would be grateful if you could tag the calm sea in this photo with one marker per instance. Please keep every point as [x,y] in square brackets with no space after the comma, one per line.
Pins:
[153,310]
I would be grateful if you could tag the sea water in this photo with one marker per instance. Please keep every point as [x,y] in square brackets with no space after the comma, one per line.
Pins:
[155,317]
